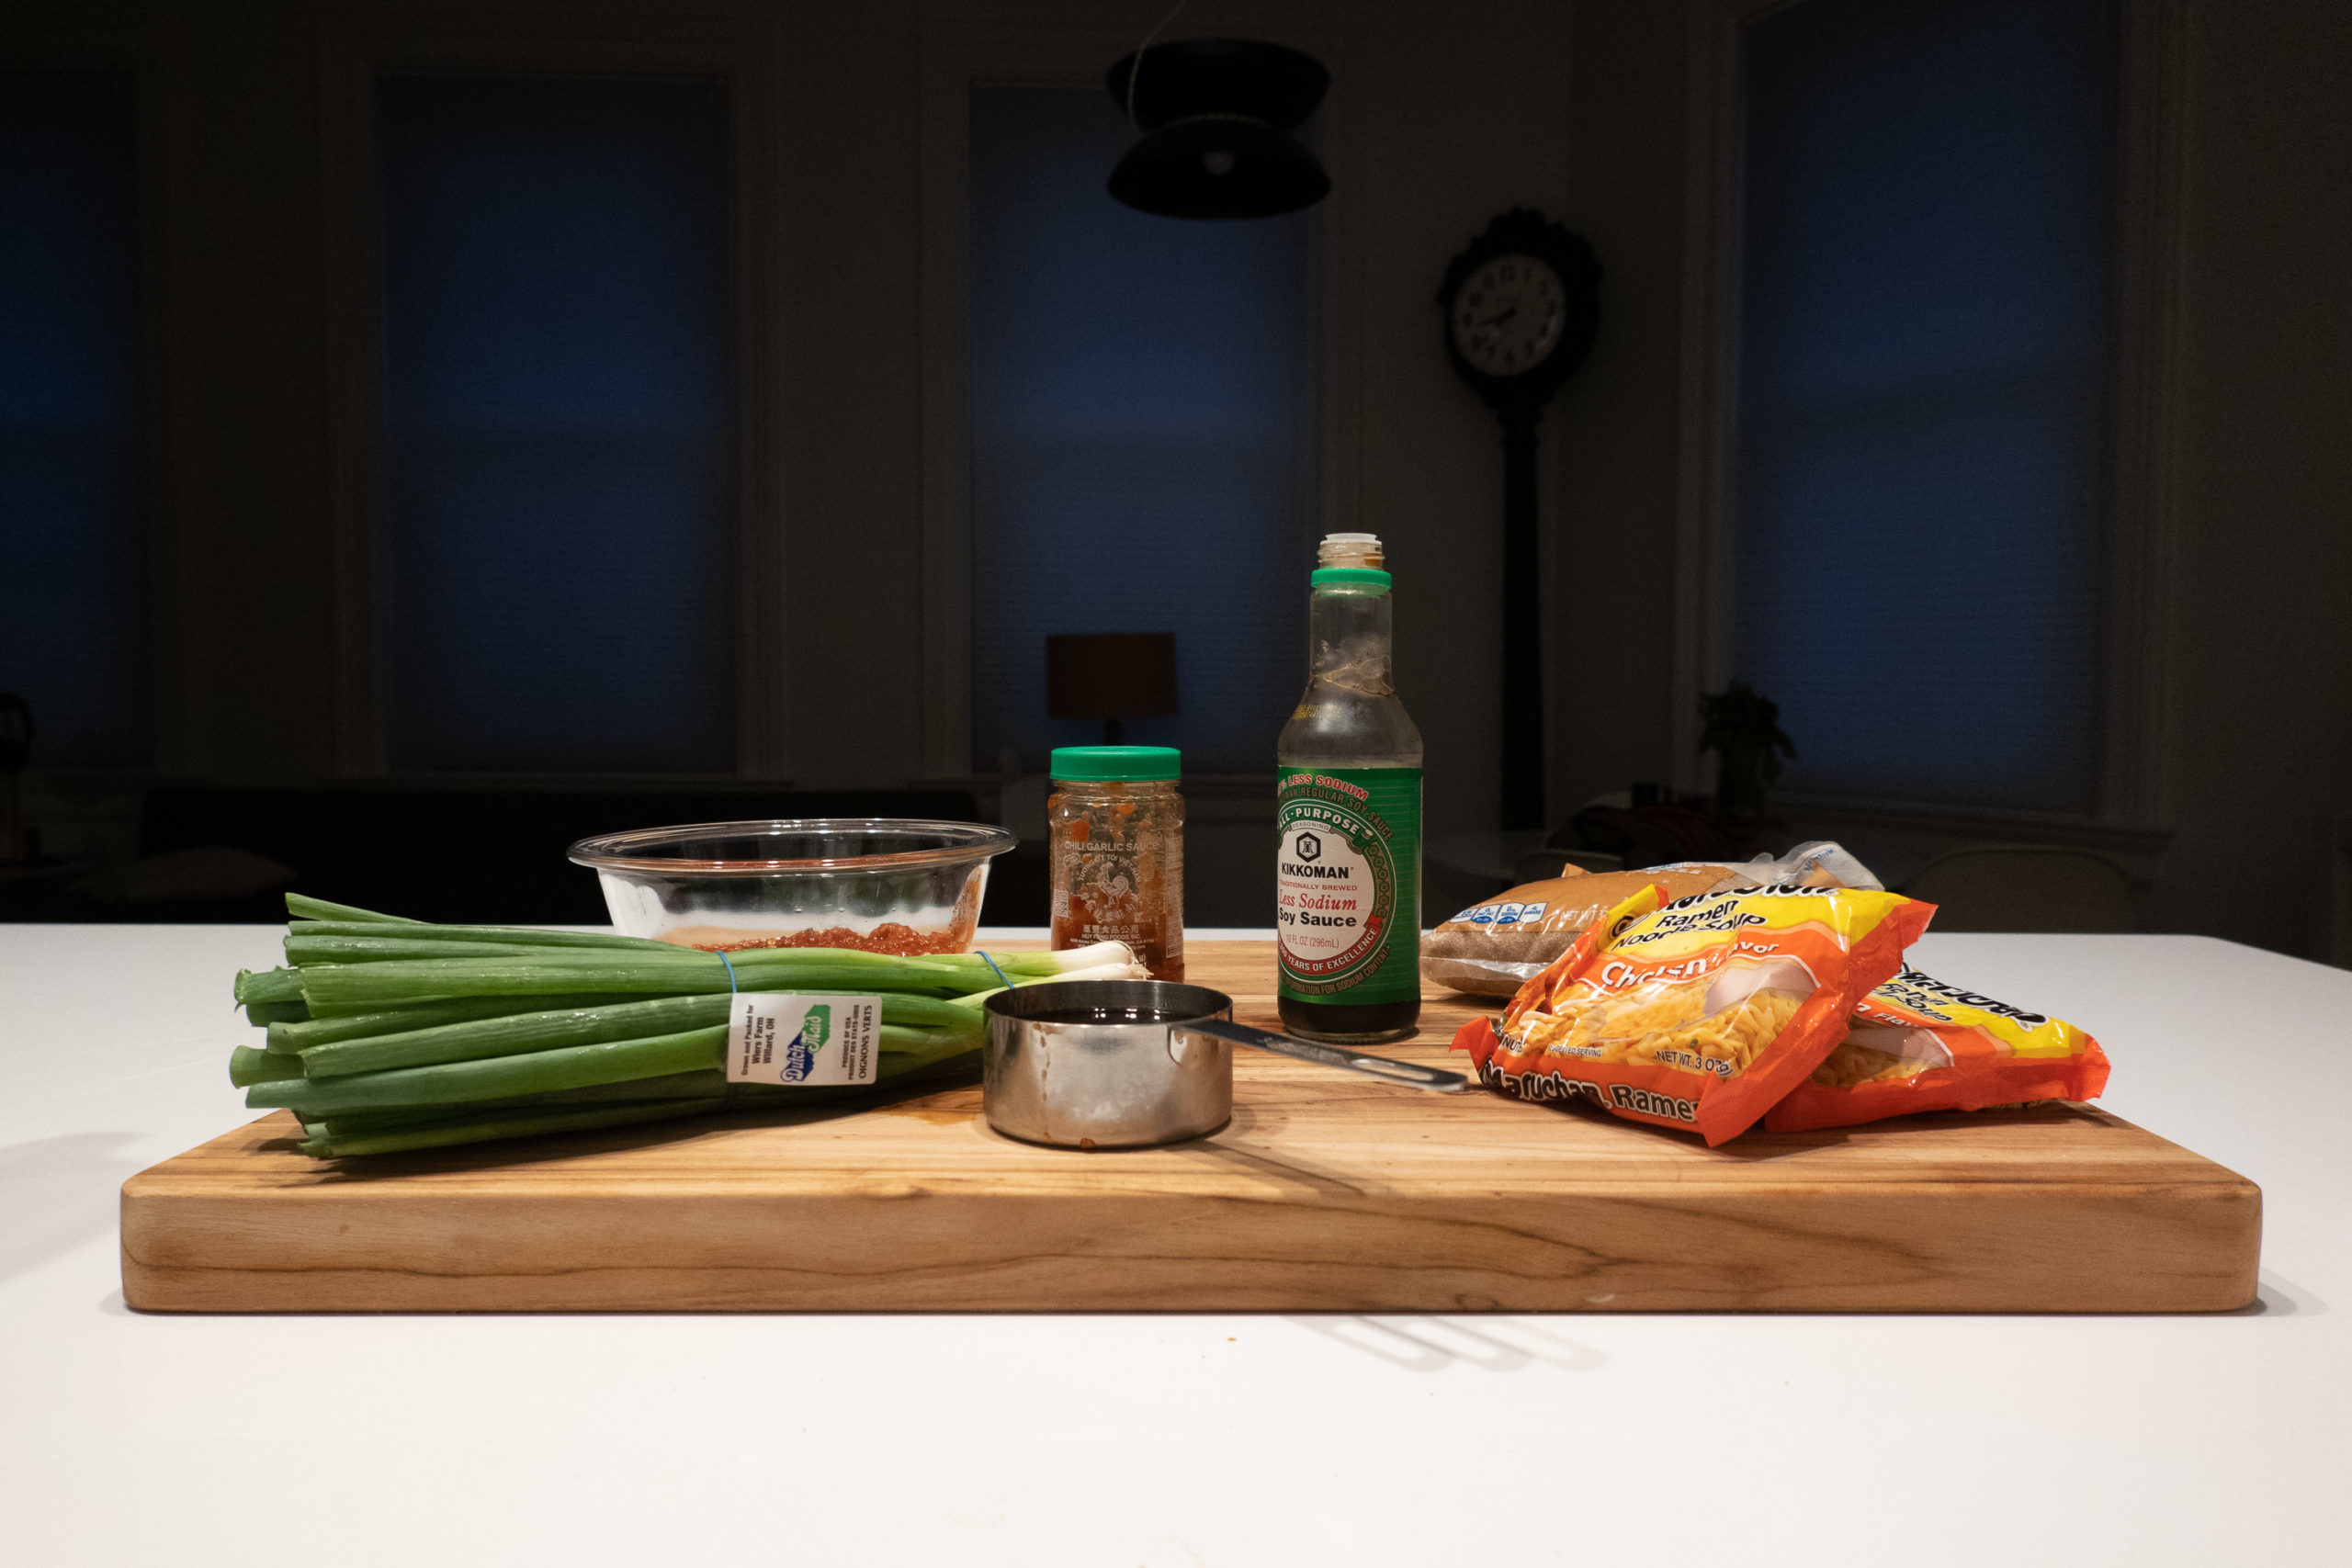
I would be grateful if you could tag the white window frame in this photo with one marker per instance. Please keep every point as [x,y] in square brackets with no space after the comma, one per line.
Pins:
[957,58]
[744,54]
[2129,811]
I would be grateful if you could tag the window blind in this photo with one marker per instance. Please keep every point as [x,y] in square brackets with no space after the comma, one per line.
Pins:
[559,484]
[1142,453]
[74,597]
[1925,338]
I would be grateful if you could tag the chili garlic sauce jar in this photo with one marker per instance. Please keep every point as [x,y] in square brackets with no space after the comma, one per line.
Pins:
[1118,843]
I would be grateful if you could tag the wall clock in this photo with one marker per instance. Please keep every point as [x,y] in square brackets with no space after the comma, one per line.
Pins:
[1520,305]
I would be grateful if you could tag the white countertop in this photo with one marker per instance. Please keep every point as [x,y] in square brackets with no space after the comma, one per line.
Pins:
[131,1440]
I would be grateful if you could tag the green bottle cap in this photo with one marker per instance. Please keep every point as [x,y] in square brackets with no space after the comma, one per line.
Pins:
[1325,576]
[1117,764]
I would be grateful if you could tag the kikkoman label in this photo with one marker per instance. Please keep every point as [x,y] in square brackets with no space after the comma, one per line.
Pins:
[1347,884]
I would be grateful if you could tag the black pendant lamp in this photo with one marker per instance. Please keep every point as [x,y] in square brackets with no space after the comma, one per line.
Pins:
[1218,116]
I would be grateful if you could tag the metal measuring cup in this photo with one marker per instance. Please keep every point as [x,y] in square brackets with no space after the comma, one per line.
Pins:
[1125,1063]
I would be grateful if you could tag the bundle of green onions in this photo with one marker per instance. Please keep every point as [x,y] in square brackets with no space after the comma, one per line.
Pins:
[386,1034]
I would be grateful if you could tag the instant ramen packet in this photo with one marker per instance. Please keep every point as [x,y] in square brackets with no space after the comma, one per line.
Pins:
[1916,1043]
[1697,1013]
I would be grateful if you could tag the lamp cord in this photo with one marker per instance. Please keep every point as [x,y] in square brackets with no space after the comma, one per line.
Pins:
[1136,69]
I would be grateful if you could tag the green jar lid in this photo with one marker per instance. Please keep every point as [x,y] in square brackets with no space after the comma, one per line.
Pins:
[1325,576]
[1117,764]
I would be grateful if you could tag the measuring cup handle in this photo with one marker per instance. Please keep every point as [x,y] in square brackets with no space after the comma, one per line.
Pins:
[1411,1075]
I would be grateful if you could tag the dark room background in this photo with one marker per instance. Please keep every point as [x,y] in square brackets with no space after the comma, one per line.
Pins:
[726,399]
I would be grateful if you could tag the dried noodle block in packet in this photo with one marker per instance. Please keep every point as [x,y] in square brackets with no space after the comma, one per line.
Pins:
[1697,1013]
[1916,1044]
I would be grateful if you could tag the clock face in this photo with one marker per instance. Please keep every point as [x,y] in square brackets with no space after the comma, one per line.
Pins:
[1508,314]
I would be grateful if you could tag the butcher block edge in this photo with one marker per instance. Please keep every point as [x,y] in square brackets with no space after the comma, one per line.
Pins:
[1301,1239]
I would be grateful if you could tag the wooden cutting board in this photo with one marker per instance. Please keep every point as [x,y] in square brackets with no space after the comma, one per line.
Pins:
[1325,1193]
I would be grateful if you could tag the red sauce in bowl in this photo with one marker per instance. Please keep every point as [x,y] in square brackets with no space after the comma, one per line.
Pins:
[898,940]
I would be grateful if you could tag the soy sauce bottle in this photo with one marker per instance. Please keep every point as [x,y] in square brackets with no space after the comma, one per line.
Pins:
[1348,868]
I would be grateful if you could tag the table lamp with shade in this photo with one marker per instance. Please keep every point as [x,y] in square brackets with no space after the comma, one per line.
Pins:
[1112,677]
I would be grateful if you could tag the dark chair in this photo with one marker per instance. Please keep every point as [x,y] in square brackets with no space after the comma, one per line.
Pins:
[462,855]
[1643,835]
[2025,888]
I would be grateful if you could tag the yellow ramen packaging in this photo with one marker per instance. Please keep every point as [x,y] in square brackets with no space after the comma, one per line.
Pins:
[1916,1043]
[1697,1013]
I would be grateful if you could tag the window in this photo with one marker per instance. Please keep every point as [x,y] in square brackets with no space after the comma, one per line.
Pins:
[1142,438]
[73,601]
[1925,338]
[557,537]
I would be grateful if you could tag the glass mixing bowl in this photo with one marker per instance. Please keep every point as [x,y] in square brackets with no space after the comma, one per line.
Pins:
[879,883]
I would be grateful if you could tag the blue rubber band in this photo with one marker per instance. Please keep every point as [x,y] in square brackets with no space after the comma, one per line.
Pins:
[991,963]
[734,986]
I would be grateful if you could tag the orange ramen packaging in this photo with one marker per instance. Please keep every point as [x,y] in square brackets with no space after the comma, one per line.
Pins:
[1697,1013]
[1916,1043]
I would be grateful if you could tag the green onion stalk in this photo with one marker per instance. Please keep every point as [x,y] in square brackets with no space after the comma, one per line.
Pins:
[382,1034]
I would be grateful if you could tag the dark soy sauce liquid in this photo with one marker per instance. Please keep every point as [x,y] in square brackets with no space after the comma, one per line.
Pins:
[1106,1015]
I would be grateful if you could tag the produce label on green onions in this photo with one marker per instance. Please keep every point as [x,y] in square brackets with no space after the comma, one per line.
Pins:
[780,1037]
